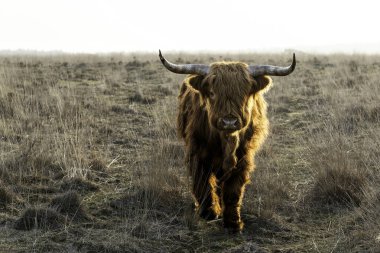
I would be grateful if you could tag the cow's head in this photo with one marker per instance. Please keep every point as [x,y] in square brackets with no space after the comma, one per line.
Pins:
[228,88]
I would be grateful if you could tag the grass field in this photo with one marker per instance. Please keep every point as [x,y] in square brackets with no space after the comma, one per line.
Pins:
[90,160]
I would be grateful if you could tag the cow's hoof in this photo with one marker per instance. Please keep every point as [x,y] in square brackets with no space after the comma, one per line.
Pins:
[208,214]
[230,231]
[233,227]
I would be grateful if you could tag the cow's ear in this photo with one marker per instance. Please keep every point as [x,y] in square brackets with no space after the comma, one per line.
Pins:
[196,82]
[261,83]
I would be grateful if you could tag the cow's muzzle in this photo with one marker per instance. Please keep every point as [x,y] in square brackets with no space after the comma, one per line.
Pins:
[228,123]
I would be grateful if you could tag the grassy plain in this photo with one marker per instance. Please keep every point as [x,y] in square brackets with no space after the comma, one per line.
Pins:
[90,160]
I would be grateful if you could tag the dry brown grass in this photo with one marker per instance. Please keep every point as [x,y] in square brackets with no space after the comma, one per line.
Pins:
[90,160]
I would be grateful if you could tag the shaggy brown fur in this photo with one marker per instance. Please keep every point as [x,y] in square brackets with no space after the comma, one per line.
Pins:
[220,160]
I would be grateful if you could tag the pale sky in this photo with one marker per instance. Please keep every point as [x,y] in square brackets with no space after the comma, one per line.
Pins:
[198,25]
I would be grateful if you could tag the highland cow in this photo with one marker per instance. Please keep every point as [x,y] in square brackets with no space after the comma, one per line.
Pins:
[222,119]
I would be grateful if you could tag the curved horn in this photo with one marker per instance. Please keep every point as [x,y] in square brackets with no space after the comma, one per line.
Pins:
[200,69]
[269,70]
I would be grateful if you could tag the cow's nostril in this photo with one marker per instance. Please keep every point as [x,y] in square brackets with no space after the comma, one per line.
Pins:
[229,122]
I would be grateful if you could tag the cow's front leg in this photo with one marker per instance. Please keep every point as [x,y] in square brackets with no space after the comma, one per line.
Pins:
[204,186]
[232,194]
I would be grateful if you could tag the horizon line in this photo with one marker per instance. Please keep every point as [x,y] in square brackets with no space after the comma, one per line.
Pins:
[301,51]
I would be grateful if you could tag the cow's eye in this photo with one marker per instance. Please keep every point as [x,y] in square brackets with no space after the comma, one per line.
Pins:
[212,95]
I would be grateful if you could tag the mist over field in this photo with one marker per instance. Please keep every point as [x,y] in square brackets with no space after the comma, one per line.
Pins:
[101,26]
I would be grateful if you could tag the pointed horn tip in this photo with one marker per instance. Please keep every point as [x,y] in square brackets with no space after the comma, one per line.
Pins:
[294,62]
[294,59]
[160,55]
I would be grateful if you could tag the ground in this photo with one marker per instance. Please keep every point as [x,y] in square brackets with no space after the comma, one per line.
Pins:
[90,160]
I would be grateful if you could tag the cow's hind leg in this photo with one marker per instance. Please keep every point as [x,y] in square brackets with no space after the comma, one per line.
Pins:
[204,191]
[232,194]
